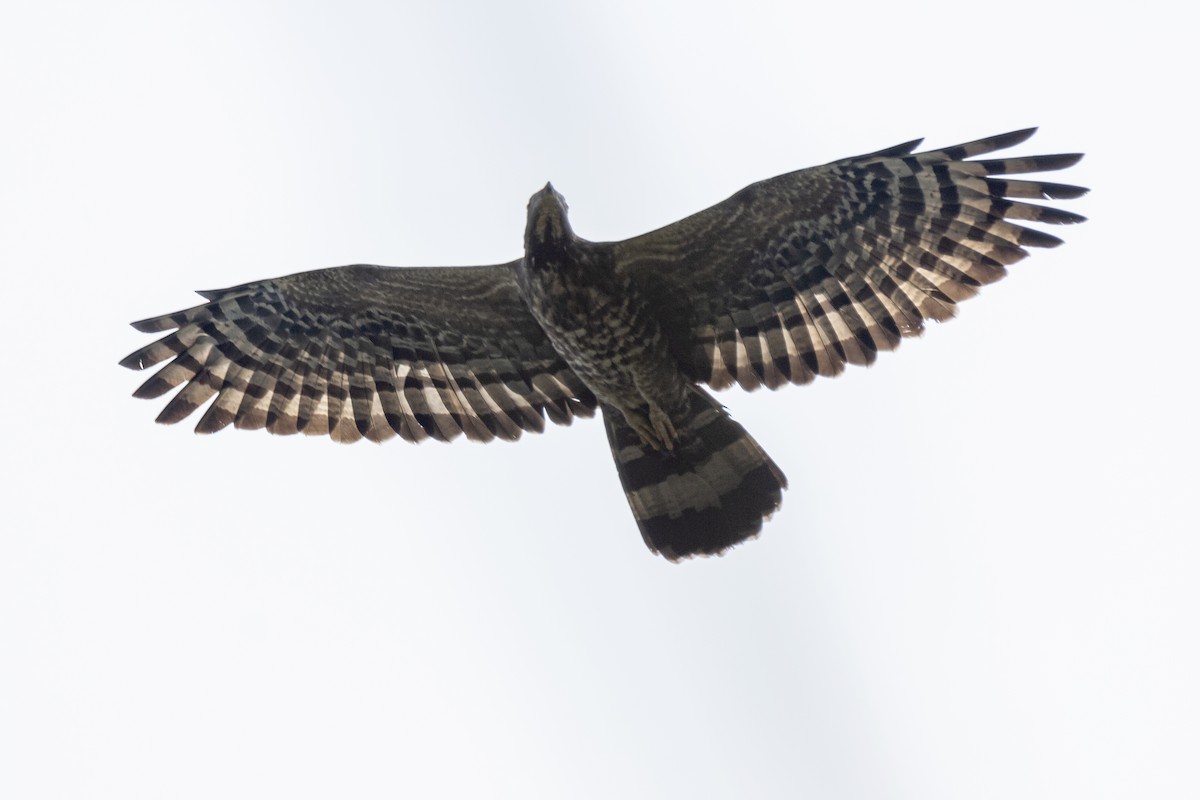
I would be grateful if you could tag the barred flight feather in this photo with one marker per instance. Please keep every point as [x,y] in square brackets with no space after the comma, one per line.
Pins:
[905,238]
[310,353]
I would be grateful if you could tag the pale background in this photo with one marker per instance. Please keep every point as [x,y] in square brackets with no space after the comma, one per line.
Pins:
[981,584]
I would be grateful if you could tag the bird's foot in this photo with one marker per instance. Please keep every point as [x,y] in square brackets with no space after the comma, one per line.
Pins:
[655,429]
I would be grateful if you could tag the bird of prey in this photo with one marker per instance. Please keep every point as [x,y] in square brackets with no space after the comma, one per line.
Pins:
[790,278]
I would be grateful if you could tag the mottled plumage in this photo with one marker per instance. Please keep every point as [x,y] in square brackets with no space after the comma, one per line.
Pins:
[790,278]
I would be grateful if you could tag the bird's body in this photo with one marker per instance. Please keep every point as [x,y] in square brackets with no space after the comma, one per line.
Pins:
[599,321]
[788,279]
[694,478]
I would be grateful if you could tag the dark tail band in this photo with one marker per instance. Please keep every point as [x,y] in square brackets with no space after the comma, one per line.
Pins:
[713,491]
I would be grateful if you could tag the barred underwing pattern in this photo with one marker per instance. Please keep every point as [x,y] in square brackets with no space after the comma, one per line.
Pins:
[801,274]
[790,278]
[364,352]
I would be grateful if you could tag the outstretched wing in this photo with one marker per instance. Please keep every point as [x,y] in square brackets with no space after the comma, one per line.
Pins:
[798,275]
[365,351]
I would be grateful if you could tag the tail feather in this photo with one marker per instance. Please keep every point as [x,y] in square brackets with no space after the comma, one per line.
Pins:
[712,491]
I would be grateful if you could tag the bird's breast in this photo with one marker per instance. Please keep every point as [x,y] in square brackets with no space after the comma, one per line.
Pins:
[600,324]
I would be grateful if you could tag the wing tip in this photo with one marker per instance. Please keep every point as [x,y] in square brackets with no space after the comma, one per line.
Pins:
[149,325]
[1030,237]
[134,361]
[1063,191]
[1012,138]
[902,149]
[1059,160]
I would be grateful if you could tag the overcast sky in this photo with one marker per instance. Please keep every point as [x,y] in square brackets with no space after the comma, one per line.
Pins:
[982,579]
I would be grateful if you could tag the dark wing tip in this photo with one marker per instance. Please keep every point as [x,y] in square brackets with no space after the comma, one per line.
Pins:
[1002,140]
[149,325]
[1056,216]
[134,360]
[1064,160]
[1064,191]
[903,149]
[1035,238]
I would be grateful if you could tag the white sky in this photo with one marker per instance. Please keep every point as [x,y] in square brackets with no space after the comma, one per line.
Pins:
[981,583]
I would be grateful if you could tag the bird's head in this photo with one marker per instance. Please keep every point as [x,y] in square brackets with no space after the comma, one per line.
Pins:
[547,222]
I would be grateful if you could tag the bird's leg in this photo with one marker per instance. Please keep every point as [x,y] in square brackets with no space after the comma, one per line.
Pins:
[654,428]
[663,427]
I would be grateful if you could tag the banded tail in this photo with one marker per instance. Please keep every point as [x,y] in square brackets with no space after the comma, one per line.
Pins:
[712,491]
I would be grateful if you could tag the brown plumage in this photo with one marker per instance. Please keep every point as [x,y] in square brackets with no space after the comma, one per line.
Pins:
[790,278]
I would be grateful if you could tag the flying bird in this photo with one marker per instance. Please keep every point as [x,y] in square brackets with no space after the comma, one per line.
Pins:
[790,278]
